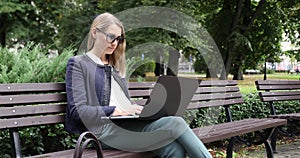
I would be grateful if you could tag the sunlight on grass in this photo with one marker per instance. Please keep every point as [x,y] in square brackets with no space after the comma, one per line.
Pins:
[248,84]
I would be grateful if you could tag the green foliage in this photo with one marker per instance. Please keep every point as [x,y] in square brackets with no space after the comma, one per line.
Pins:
[32,64]
[44,139]
[10,7]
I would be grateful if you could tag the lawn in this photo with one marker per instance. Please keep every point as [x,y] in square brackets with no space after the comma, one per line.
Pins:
[248,84]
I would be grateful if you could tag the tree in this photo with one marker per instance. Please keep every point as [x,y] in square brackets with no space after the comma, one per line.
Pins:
[11,14]
[249,32]
[55,23]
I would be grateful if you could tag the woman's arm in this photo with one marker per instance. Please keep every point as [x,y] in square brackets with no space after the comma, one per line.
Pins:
[77,96]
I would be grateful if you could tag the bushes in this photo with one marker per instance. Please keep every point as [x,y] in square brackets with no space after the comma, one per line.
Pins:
[34,64]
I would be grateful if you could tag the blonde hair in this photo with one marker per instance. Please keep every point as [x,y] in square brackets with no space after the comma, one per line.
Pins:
[117,59]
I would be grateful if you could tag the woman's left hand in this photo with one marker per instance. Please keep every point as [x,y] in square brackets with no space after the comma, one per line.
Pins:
[138,109]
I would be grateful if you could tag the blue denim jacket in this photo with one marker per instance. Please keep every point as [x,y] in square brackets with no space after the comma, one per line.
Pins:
[88,94]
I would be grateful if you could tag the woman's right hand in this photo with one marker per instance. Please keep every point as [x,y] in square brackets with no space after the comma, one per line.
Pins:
[119,112]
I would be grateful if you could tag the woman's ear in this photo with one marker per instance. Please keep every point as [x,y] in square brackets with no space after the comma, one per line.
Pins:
[94,31]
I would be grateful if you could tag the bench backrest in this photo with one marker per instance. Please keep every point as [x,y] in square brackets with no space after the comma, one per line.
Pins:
[278,90]
[210,93]
[31,104]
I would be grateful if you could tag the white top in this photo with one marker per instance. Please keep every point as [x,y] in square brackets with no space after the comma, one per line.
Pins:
[117,95]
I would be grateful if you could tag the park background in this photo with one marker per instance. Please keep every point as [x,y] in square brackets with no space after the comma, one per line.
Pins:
[37,38]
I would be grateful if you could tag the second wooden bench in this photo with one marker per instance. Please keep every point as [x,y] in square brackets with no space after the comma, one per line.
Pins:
[276,91]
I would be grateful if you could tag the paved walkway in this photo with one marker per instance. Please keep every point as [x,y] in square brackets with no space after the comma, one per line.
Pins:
[291,150]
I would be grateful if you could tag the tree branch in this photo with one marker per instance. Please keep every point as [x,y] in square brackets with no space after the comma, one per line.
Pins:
[258,10]
[237,15]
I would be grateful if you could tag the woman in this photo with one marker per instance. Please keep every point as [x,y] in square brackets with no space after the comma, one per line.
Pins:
[96,87]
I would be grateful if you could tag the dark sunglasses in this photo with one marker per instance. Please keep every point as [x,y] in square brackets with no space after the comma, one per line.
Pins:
[111,38]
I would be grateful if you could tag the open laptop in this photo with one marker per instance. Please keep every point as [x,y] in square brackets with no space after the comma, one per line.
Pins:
[170,97]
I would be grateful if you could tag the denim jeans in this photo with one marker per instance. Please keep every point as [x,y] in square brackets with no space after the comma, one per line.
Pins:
[166,137]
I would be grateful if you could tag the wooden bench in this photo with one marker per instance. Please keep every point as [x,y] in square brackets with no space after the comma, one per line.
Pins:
[271,91]
[36,104]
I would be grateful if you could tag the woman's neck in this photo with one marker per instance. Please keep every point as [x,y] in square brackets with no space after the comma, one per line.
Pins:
[104,59]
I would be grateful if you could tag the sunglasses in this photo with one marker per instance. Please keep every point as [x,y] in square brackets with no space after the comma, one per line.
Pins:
[111,38]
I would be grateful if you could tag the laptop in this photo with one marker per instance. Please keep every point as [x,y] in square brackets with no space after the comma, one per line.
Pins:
[170,97]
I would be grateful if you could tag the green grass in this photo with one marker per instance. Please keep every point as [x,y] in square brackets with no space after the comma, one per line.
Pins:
[248,84]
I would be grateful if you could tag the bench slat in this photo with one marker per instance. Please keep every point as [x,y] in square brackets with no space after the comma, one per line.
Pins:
[218,83]
[141,85]
[32,87]
[281,93]
[222,131]
[278,87]
[277,82]
[139,93]
[293,116]
[203,90]
[32,98]
[216,96]
[280,98]
[90,153]
[31,121]
[32,110]
[196,105]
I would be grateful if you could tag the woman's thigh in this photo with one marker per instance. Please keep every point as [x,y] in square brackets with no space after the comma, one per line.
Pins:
[137,135]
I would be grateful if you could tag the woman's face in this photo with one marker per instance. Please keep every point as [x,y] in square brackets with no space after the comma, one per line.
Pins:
[107,41]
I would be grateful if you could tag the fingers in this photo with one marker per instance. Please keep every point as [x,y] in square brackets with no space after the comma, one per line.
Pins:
[119,112]
[138,109]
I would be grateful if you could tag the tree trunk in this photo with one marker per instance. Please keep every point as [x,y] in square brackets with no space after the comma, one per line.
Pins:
[225,72]
[173,63]
[229,52]
[238,73]
[211,73]
[159,66]
[3,29]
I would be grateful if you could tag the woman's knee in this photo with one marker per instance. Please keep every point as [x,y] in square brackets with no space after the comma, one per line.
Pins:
[175,124]
[175,120]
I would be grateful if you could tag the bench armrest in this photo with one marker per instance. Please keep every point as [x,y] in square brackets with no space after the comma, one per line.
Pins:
[82,142]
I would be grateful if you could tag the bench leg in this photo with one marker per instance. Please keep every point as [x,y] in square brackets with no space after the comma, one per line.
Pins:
[268,149]
[229,151]
[15,139]
[274,139]
[264,138]
[270,133]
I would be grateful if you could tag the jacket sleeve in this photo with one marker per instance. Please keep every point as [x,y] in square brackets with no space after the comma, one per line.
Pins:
[78,108]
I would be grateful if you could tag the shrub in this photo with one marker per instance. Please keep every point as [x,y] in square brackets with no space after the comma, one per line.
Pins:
[32,64]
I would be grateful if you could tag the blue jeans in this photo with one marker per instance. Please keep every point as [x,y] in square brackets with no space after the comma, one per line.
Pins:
[166,137]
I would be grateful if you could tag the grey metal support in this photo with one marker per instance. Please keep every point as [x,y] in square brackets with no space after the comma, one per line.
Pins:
[15,139]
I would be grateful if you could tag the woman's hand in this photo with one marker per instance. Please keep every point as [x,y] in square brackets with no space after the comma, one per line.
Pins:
[119,112]
[136,110]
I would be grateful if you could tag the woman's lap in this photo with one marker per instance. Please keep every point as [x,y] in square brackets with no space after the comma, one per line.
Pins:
[138,135]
